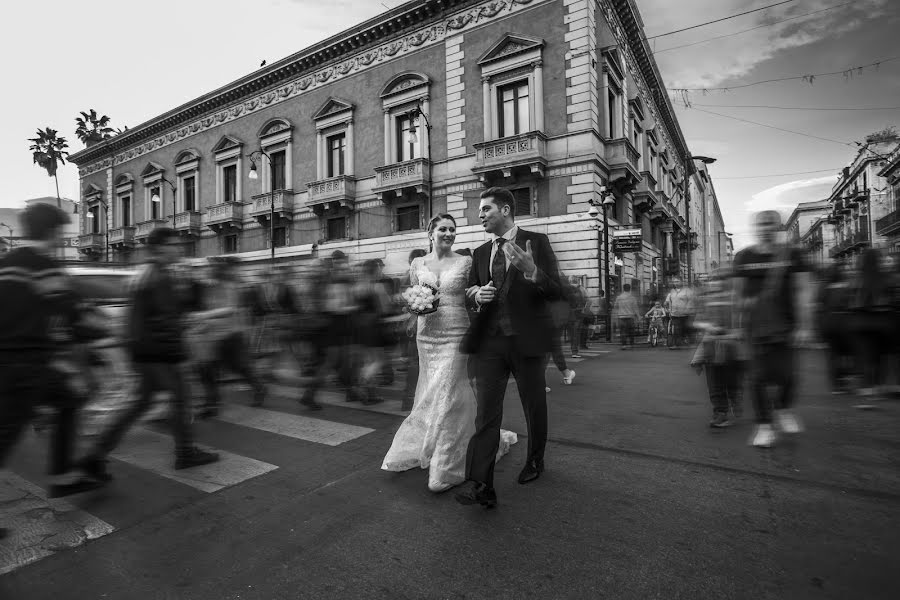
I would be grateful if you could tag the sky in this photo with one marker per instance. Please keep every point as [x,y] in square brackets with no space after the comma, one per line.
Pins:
[134,61]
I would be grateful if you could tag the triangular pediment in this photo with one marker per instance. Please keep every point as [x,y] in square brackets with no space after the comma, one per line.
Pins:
[152,168]
[332,106]
[509,45]
[226,143]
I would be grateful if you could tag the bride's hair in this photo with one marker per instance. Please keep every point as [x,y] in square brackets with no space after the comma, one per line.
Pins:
[434,221]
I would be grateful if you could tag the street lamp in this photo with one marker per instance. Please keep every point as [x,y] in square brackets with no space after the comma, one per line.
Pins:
[155,198]
[256,154]
[413,138]
[90,215]
[606,200]
[688,171]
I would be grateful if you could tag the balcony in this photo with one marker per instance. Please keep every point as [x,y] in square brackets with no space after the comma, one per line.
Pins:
[223,216]
[334,192]
[888,224]
[91,243]
[526,150]
[622,158]
[261,207]
[188,222]
[644,194]
[145,227]
[122,236]
[850,243]
[395,179]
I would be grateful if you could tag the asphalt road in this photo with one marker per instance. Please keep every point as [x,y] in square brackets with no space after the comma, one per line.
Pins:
[640,500]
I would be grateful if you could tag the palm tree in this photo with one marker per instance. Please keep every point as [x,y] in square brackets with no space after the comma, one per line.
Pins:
[48,151]
[92,129]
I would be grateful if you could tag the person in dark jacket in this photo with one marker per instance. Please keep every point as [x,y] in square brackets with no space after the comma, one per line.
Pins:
[157,347]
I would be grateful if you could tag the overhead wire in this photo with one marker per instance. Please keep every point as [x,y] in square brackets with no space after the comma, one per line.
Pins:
[827,108]
[653,37]
[774,127]
[780,174]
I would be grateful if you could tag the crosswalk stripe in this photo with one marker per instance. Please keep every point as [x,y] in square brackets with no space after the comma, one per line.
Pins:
[388,407]
[320,431]
[39,525]
[154,452]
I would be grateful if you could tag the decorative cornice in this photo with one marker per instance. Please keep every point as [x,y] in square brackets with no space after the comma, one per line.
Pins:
[345,54]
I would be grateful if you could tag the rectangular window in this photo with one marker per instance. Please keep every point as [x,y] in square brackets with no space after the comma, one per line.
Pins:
[280,237]
[229,183]
[95,219]
[408,218]
[189,187]
[126,211]
[637,136]
[406,150]
[612,100]
[514,116]
[336,228]
[154,206]
[523,201]
[278,164]
[231,244]
[337,146]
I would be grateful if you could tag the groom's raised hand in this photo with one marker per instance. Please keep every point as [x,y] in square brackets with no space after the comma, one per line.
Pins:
[486,293]
[523,260]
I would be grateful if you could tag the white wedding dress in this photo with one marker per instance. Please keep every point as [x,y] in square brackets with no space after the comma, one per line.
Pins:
[435,435]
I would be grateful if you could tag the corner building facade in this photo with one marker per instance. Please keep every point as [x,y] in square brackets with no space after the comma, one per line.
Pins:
[554,99]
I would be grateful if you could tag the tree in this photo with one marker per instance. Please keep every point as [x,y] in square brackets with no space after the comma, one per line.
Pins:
[48,151]
[92,129]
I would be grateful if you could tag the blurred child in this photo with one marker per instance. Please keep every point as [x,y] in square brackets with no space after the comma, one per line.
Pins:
[656,314]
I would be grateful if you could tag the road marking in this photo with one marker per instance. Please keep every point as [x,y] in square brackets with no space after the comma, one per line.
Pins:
[298,427]
[155,452]
[40,526]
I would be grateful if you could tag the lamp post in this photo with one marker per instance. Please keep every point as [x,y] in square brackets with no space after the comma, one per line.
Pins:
[90,215]
[688,171]
[413,114]
[253,156]
[606,200]
[157,199]
[10,234]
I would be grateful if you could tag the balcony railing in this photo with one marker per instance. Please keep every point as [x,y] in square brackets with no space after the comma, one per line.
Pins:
[225,214]
[523,150]
[122,236]
[91,242]
[262,207]
[622,157]
[340,189]
[188,221]
[860,238]
[145,227]
[889,223]
[395,178]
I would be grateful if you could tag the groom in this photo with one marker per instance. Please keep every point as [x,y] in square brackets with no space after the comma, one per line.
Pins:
[513,279]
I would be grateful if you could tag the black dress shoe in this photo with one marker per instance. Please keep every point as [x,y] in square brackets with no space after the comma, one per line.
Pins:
[195,457]
[531,471]
[478,493]
[95,468]
[85,484]
[310,403]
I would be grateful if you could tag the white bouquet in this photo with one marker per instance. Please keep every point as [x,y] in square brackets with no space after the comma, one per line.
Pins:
[421,299]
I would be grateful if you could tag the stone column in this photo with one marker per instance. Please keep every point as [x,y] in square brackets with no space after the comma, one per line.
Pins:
[348,163]
[320,151]
[387,138]
[486,100]
[538,95]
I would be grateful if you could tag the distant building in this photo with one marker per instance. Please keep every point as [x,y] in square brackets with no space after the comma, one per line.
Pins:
[888,226]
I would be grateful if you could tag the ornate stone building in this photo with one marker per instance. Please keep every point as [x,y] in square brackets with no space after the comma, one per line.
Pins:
[555,99]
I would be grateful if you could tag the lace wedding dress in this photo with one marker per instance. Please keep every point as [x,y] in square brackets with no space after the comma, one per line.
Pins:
[435,435]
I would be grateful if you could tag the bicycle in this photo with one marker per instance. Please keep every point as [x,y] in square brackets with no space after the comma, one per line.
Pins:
[654,332]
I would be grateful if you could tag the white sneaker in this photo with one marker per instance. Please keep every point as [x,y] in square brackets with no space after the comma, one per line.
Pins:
[764,436]
[546,389]
[568,376]
[788,421]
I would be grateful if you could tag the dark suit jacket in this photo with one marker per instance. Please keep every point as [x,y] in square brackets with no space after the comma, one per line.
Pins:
[528,302]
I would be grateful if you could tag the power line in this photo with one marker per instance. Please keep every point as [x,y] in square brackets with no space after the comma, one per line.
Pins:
[774,127]
[779,174]
[798,107]
[810,78]
[718,20]
[719,37]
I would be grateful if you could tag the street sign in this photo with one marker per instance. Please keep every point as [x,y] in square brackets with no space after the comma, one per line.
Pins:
[627,240]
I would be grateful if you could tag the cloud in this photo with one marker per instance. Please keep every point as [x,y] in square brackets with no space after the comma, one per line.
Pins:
[716,62]
[786,196]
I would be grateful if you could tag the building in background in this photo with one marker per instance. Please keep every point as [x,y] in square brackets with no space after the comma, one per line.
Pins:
[9,218]
[888,226]
[554,99]
[707,237]
[808,227]
[861,197]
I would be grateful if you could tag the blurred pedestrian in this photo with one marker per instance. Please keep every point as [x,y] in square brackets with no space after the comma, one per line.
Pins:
[721,351]
[834,323]
[627,312]
[155,334]
[680,306]
[773,286]
[872,316]
[410,347]
[576,297]
[563,314]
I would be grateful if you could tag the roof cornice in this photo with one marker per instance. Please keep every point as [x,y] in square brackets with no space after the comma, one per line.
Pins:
[359,37]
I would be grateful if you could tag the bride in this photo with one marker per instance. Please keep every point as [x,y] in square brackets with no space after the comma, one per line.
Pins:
[435,435]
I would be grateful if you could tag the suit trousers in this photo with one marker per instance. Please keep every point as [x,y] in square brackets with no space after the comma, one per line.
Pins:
[497,358]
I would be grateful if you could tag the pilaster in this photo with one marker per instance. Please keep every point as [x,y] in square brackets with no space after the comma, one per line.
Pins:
[582,105]
[456,87]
